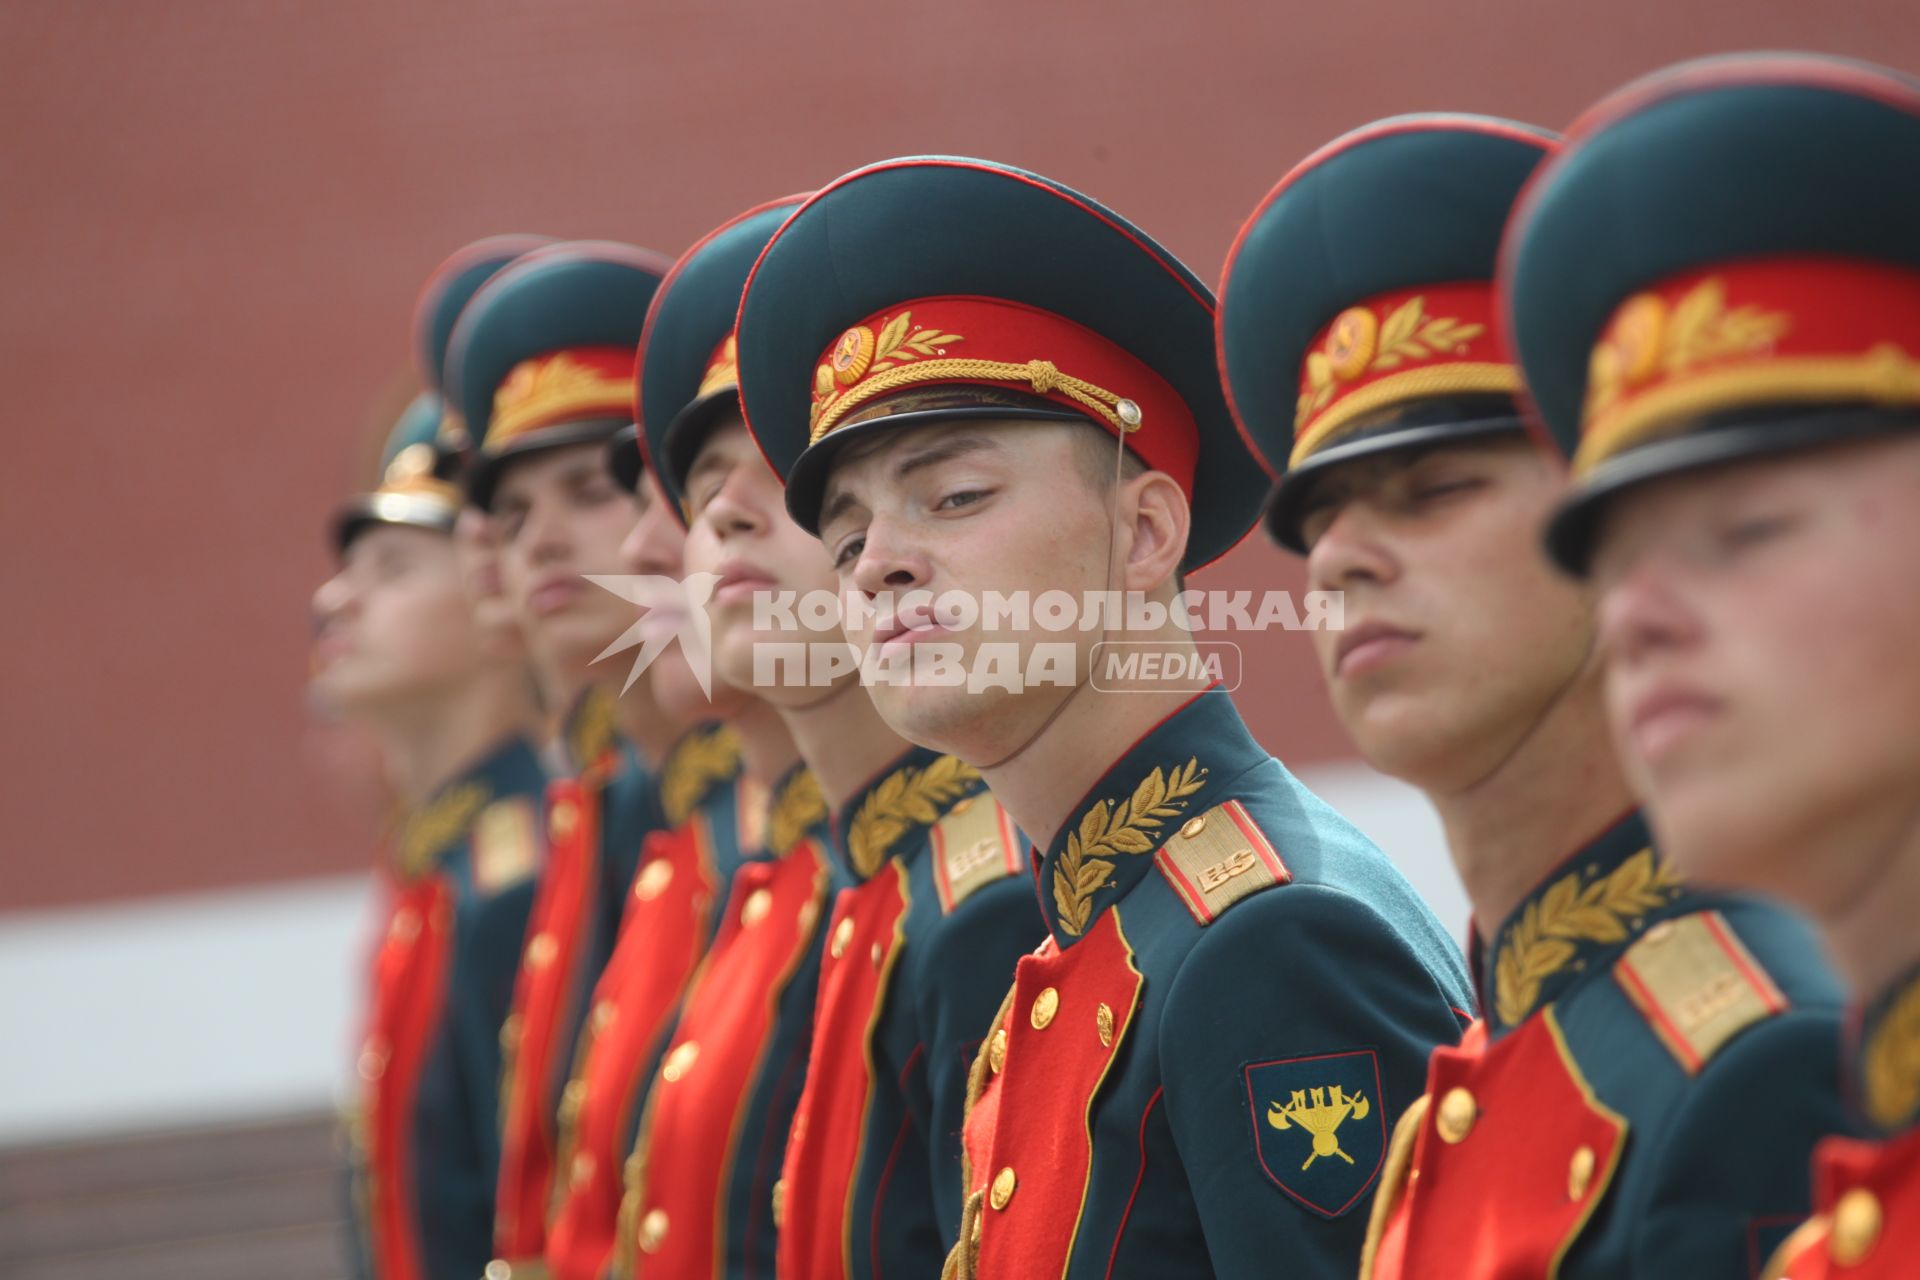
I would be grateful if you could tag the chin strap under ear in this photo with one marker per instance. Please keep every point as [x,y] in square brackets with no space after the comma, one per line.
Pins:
[1113,536]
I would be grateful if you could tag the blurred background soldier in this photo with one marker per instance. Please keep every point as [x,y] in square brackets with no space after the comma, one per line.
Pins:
[1715,292]
[401,651]
[541,363]
[1363,357]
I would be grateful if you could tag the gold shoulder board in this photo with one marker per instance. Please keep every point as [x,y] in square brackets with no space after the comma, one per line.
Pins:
[1218,858]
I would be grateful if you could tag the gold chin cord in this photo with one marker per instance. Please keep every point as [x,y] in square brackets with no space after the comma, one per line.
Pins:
[1128,424]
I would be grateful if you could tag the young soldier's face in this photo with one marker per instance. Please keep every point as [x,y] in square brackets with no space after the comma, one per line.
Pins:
[477,548]
[740,531]
[1760,624]
[559,515]
[655,547]
[1459,637]
[969,508]
[395,624]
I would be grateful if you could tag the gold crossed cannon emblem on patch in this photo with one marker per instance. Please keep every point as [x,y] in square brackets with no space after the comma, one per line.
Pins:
[1320,1112]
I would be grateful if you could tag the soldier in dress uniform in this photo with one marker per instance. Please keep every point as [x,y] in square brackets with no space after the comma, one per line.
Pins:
[1582,1127]
[933,915]
[715,1110]
[445,294]
[1715,291]
[977,380]
[541,361]
[738,802]
[400,650]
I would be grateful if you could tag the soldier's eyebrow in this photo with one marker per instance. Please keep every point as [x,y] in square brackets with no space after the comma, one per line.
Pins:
[942,449]
[936,451]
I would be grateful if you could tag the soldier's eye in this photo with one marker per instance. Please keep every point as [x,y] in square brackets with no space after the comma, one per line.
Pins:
[1434,490]
[962,498]
[1754,531]
[849,551]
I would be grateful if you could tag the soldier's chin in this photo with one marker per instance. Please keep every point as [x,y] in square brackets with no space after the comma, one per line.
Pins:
[938,717]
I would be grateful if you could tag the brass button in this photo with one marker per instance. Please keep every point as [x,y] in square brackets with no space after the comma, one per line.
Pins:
[842,936]
[498,1269]
[604,1012]
[1193,826]
[1129,414]
[1580,1173]
[406,925]
[1002,1189]
[572,1098]
[755,908]
[1458,1111]
[653,880]
[1103,1022]
[997,1052]
[960,807]
[541,949]
[679,1062]
[563,820]
[653,1230]
[1045,1005]
[779,1203]
[1660,932]
[582,1171]
[510,1032]
[1856,1227]
[876,955]
[373,1059]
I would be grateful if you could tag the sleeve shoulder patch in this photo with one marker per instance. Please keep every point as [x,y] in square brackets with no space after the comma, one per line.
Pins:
[1697,985]
[1218,858]
[505,847]
[974,844]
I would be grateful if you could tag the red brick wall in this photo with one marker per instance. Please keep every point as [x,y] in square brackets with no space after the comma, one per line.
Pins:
[214,215]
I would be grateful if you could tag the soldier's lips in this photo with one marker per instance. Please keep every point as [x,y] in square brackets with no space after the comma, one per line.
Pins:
[740,582]
[1370,646]
[328,649]
[550,595]
[1664,717]
[907,637]
[913,624]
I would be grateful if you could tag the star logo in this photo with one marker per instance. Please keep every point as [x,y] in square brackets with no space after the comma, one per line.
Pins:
[670,609]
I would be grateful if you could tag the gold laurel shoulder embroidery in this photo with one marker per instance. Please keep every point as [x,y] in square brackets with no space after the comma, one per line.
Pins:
[592,732]
[1107,831]
[430,832]
[908,798]
[693,769]
[1893,1063]
[800,805]
[1543,941]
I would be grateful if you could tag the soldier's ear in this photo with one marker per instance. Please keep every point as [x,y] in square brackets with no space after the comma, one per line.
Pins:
[1155,519]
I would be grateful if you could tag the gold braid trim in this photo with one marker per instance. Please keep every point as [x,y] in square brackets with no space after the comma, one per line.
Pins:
[908,798]
[799,806]
[1543,941]
[1041,375]
[693,769]
[1106,832]
[1886,376]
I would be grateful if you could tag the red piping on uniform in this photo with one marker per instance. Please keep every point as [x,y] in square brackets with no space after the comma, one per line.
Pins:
[1119,1232]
